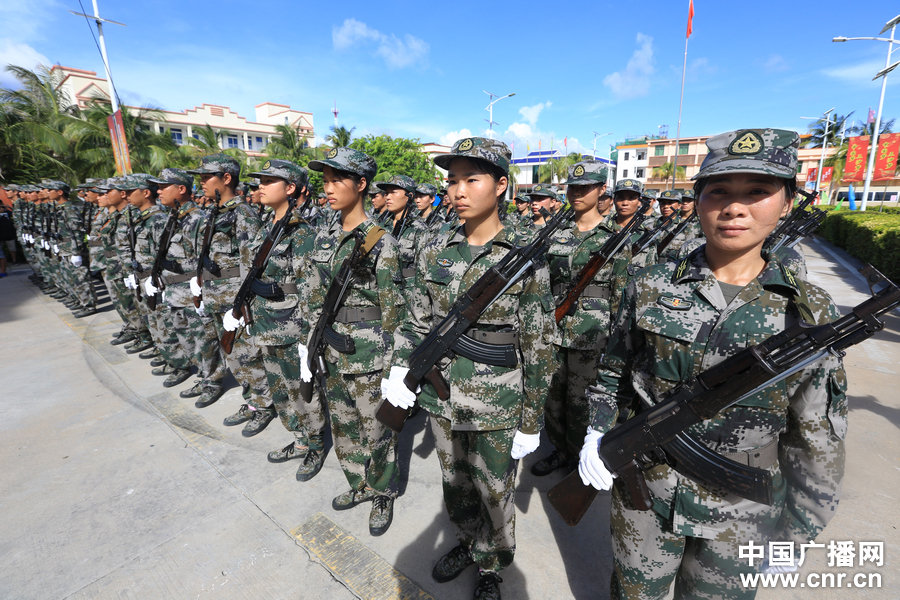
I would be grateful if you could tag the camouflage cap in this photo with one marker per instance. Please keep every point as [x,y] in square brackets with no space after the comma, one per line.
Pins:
[522,198]
[687,195]
[374,189]
[136,181]
[252,183]
[652,194]
[171,175]
[283,169]
[218,163]
[111,183]
[587,172]
[12,187]
[490,151]
[400,181]
[628,185]
[89,184]
[426,189]
[670,196]
[542,189]
[349,160]
[53,184]
[768,151]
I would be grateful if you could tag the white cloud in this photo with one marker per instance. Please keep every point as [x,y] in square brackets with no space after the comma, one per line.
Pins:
[397,53]
[634,80]
[775,63]
[21,55]
[448,138]
[860,73]
[531,113]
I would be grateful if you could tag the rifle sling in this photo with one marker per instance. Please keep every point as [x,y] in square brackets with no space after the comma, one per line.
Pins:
[224,274]
[591,291]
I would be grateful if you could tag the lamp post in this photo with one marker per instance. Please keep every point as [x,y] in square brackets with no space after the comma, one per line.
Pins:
[490,109]
[888,67]
[825,116]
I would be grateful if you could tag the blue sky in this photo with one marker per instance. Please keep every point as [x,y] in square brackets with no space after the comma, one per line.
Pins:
[418,69]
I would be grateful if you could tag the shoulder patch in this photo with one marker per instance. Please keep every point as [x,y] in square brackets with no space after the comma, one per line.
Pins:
[674,303]
[444,262]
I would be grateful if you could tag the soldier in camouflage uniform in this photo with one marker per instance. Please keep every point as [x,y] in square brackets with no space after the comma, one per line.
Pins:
[582,334]
[626,199]
[371,311]
[236,226]
[541,196]
[678,319]
[493,415]
[408,230]
[79,214]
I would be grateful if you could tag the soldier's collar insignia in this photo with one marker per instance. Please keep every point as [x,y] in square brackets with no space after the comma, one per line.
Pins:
[682,267]
[325,245]
[674,303]
[444,262]
[789,277]
[332,153]
[579,171]
[562,240]
[466,145]
[232,202]
[267,164]
[749,143]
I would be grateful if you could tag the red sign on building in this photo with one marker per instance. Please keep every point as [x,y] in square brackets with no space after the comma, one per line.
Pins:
[886,157]
[855,167]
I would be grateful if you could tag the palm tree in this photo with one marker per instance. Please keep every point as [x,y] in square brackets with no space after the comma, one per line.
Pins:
[557,168]
[664,171]
[340,136]
[206,140]
[290,145]
[868,128]
[836,126]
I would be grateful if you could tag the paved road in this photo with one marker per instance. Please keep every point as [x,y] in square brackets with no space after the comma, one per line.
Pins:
[113,487]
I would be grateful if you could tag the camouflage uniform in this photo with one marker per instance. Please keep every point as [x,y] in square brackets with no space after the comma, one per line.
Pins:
[118,266]
[674,323]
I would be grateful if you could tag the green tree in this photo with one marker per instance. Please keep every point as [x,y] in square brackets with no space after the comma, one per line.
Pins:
[664,171]
[340,136]
[290,145]
[398,156]
[869,128]
[557,168]
[836,125]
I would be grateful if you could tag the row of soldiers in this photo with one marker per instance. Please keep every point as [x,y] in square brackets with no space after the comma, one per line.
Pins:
[183,277]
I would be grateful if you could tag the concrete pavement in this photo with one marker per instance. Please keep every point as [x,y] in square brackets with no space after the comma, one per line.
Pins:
[112,486]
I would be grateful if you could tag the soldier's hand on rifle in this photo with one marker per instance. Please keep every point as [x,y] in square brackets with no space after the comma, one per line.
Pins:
[130,282]
[201,310]
[395,391]
[195,287]
[524,444]
[782,565]
[75,259]
[151,289]
[55,249]
[590,465]
[230,323]
[303,353]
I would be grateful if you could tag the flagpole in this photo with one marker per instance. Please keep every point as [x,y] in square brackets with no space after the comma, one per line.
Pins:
[681,101]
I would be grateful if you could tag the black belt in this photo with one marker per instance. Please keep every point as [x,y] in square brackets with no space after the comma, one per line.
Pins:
[272,290]
[350,314]
[590,291]
[223,274]
[760,458]
[179,278]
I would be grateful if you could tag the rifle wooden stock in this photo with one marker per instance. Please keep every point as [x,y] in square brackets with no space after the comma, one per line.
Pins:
[207,242]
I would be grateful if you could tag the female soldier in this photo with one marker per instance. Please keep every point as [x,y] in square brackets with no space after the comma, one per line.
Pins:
[493,415]
[680,318]
[583,333]
[399,193]
[277,322]
[627,200]
[365,324]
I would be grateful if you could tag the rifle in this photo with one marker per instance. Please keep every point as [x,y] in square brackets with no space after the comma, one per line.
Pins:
[674,233]
[246,292]
[598,259]
[782,233]
[400,225]
[333,300]
[435,212]
[135,267]
[207,241]
[807,226]
[165,240]
[648,237]
[446,338]
[658,434]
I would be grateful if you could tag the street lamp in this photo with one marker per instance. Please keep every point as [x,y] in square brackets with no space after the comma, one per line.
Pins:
[888,67]
[490,109]
[608,154]
[825,116]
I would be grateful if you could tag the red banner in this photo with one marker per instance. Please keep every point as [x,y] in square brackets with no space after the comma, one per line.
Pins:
[827,173]
[812,174]
[119,143]
[886,157]
[855,167]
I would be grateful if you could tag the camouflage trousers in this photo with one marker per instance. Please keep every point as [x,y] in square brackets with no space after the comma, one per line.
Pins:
[125,302]
[567,411]
[197,339]
[366,449]
[168,321]
[479,478]
[80,284]
[649,557]
[246,364]
[305,421]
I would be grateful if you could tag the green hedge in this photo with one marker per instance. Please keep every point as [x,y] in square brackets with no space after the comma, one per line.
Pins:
[872,237]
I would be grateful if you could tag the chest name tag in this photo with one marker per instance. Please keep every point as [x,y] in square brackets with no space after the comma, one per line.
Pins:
[675,303]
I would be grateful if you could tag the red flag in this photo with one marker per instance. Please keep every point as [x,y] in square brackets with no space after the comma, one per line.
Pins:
[827,173]
[690,18]
[871,118]
[886,157]
[812,174]
[854,168]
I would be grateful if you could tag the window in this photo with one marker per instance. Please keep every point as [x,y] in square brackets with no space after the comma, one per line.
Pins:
[659,150]
[249,143]
[683,148]
[641,155]
[176,136]
[626,156]
[232,141]
[639,173]
[624,172]
[259,142]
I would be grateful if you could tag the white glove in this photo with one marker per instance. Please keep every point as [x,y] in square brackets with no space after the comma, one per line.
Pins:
[195,287]
[766,569]
[395,391]
[524,444]
[44,245]
[230,323]
[75,259]
[151,289]
[130,282]
[303,353]
[590,466]
[201,310]
[55,249]
[29,238]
